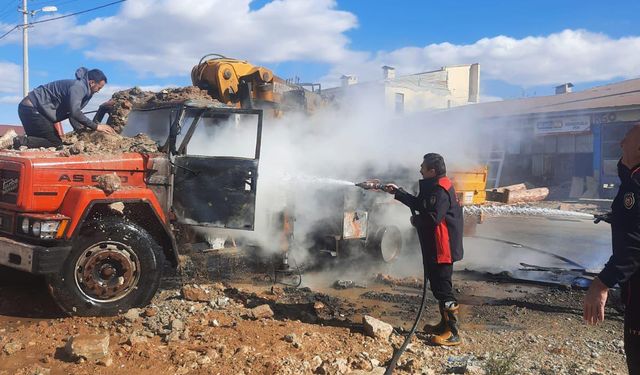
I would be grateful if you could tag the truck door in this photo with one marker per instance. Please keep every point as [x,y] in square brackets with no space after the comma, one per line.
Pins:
[216,168]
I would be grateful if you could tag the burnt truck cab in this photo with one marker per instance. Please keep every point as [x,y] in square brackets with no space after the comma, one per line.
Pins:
[102,249]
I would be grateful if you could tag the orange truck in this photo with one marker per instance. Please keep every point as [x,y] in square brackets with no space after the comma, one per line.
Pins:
[103,252]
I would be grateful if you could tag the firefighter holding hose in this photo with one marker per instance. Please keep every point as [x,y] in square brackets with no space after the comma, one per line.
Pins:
[437,217]
[623,267]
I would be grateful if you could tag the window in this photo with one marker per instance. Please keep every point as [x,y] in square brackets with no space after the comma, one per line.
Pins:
[223,135]
[154,123]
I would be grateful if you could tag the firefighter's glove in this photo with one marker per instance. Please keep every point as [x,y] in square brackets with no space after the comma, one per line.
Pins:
[606,217]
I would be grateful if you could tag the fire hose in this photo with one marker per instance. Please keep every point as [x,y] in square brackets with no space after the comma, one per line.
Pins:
[376,185]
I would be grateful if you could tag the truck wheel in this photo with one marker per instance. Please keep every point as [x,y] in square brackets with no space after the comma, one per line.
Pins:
[113,266]
[385,244]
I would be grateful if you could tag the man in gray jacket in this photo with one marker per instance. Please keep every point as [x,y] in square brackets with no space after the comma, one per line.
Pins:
[57,101]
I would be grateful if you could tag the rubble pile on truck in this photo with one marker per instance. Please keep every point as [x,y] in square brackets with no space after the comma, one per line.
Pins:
[123,102]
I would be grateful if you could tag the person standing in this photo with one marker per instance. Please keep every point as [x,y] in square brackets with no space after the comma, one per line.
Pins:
[623,268]
[437,217]
[57,101]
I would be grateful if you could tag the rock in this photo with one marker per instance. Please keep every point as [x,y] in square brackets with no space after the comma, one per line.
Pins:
[109,183]
[214,323]
[618,344]
[151,311]
[117,207]
[106,362]
[316,362]
[290,338]
[12,347]
[136,338]
[89,347]
[219,302]
[132,315]
[376,328]
[261,312]
[173,336]
[177,325]
[318,306]
[195,293]
[185,334]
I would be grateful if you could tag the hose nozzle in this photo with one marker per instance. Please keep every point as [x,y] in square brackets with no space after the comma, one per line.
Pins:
[373,184]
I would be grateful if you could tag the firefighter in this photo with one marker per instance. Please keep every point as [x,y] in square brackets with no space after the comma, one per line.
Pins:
[623,267]
[437,217]
[57,101]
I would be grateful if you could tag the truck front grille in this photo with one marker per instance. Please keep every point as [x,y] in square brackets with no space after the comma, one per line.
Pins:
[9,184]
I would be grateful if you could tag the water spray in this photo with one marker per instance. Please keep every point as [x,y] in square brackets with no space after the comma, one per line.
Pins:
[501,211]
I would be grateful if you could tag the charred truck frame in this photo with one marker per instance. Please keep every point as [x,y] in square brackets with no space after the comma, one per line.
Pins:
[103,252]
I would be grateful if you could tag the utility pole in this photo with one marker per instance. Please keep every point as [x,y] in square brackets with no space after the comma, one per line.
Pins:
[25,49]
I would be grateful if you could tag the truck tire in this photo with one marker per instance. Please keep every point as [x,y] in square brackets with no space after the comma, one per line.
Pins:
[113,266]
[386,244]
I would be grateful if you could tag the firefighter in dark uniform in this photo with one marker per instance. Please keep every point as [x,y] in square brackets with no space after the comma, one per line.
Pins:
[437,217]
[623,267]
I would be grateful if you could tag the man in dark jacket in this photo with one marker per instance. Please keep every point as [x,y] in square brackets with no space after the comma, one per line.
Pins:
[437,216]
[623,267]
[57,101]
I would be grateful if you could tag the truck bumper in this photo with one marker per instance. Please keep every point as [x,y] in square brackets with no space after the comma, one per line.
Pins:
[32,258]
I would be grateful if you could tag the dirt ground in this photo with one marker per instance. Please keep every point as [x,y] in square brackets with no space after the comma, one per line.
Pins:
[214,328]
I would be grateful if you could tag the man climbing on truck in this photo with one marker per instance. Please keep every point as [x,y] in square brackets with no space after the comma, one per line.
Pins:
[57,101]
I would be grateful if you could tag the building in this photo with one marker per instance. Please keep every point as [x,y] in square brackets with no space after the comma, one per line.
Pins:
[569,141]
[443,88]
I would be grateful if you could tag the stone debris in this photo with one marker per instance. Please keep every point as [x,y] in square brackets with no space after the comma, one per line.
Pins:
[376,328]
[132,315]
[88,347]
[196,293]
[6,141]
[346,284]
[109,183]
[12,347]
[261,312]
[123,102]
[103,144]
[117,207]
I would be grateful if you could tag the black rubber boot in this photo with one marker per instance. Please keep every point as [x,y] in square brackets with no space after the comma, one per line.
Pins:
[439,328]
[451,335]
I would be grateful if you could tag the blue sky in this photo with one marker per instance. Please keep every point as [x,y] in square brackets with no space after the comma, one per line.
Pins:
[525,48]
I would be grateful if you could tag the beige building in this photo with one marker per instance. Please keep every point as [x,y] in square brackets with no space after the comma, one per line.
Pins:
[446,87]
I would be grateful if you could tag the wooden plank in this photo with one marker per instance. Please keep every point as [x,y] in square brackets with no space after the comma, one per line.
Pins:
[529,195]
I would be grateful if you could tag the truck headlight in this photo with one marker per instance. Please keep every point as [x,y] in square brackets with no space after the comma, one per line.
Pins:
[44,229]
[48,229]
[35,228]
[25,225]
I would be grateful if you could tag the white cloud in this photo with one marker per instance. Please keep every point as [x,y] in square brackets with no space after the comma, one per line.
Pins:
[11,81]
[166,37]
[568,56]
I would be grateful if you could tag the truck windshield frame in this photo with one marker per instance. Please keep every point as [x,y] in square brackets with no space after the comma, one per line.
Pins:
[190,118]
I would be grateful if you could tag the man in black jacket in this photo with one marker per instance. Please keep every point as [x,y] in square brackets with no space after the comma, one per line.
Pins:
[57,101]
[623,267]
[437,216]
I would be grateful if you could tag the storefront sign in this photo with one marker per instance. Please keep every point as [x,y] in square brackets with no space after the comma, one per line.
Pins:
[577,124]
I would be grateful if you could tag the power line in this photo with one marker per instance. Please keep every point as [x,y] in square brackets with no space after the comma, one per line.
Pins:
[76,13]
[8,32]
[65,16]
